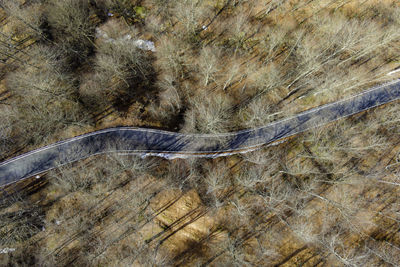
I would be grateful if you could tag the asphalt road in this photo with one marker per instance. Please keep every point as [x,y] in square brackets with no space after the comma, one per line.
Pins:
[147,142]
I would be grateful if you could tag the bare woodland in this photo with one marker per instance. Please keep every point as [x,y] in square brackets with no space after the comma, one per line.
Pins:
[326,197]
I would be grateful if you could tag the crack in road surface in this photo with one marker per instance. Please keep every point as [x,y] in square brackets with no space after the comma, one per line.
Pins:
[150,142]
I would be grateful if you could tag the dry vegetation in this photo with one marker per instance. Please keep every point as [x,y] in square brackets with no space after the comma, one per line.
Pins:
[328,197]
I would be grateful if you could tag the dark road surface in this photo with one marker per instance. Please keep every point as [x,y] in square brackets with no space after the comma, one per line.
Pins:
[168,144]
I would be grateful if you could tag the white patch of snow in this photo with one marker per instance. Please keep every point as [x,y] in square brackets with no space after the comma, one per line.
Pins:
[6,250]
[393,72]
[37,176]
[141,44]
[101,34]
[145,45]
[277,143]
[317,93]
[170,156]
[126,37]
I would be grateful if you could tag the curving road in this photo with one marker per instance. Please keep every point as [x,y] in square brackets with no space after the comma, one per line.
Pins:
[170,145]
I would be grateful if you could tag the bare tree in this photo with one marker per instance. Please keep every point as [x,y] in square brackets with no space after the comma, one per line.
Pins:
[266,79]
[124,7]
[170,56]
[231,75]
[46,84]
[234,253]
[45,97]
[257,113]
[70,180]
[70,20]
[248,178]
[170,97]
[238,29]
[345,255]
[6,119]
[217,182]
[208,114]
[119,65]
[26,19]
[273,42]
[208,64]
[190,13]
[17,226]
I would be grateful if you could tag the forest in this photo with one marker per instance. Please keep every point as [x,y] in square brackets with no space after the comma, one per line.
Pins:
[325,197]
